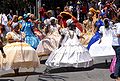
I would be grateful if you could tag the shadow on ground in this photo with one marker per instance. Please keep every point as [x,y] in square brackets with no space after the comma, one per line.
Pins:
[20,74]
[6,80]
[103,65]
[42,77]
[60,70]
[72,69]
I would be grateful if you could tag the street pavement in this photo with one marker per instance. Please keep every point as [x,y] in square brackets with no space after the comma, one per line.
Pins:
[98,72]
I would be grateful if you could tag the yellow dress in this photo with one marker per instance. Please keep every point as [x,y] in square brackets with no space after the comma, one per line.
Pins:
[89,27]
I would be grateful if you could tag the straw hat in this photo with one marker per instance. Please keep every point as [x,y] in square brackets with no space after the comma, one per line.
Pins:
[49,12]
[20,17]
[92,10]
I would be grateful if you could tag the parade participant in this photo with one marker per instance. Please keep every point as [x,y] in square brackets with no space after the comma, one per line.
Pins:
[95,14]
[10,22]
[10,15]
[102,49]
[52,38]
[42,11]
[88,24]
[71,53]
[57,12]
[116,47]
[83,11]
[49,14]
[1,41]
[77,12]
[66,9]
[97,35]
[65,16]
[18,53]
[38,33]
[4,21]
[30,38]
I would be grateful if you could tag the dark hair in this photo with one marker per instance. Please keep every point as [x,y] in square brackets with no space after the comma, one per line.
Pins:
[72,26]
[106,22]
[47,29]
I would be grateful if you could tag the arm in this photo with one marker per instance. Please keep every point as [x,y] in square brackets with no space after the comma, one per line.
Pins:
[1,48]
[118,35]
[118,30]
[10,38]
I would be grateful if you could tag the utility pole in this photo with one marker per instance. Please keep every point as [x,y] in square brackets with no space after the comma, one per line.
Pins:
[36,12]
[39,6]
[30,8]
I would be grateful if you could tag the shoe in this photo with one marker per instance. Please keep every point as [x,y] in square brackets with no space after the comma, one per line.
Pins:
[46,71]
[113,76]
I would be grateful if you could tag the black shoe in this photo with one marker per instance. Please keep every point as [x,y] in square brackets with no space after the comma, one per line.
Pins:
[113,76]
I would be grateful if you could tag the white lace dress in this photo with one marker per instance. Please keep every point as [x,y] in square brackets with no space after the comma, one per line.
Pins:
[70,54]
[50,42]
[103,50]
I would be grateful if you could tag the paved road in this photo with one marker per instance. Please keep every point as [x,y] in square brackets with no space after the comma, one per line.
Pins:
[99,72]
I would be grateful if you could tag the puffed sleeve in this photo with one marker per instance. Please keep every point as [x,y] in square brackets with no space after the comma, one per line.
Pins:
[9,36]
[118,28]
[78,32]
[23,35]
[101,29]
[63,31]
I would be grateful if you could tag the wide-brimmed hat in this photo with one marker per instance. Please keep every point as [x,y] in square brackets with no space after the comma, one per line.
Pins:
[47,22]
[49,12]
[92,10]
[52,18]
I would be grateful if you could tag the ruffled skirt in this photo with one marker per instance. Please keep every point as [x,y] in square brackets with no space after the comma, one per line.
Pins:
[19,55]
[70,56]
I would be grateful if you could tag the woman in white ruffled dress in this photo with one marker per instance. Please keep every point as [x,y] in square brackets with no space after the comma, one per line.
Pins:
[18,53]
[52,39]
[71,53]
[102,49]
